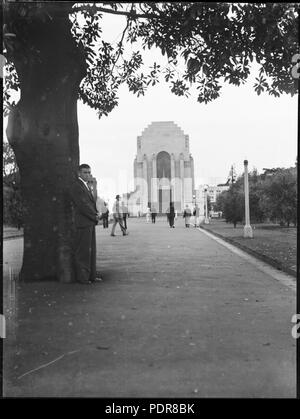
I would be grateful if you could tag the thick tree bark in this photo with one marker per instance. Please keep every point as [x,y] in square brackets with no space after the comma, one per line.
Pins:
[43,132]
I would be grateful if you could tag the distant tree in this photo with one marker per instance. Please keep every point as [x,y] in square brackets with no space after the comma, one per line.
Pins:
[220,201]
[270,172]
[255,191]
[59,55]
[256,211]
[12,200]
[279,196]
[209,204]
[232,205]
[272,195]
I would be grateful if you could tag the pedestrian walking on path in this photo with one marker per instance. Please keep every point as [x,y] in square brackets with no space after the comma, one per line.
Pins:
[86,218]
[187,216]
[148,215]
[105,215]
[153,214]
[118,218]
[171,215]
[125,214]
[196,214]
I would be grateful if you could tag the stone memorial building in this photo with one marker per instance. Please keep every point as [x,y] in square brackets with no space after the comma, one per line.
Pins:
[163,169]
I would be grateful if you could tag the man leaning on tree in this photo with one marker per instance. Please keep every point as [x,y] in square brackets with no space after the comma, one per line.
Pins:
[86,218]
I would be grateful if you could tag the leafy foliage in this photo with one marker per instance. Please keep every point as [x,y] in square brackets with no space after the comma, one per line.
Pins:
[11,84]
[279,196]
[272,195]
[217,42]
[256,186]
[233,205]
[12,201]
[209,205]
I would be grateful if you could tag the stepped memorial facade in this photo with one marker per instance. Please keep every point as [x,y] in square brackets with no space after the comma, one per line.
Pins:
[163,169]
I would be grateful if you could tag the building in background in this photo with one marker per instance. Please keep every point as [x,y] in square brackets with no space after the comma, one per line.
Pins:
[213,192]
[163,170]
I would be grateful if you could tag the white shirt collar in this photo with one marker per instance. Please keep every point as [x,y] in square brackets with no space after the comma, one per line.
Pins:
[84,182]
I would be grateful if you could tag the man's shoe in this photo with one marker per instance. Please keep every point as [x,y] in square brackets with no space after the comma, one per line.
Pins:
[113,235]
[98,279]
[125,234]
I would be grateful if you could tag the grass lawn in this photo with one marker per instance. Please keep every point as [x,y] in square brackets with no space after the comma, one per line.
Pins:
[272,243]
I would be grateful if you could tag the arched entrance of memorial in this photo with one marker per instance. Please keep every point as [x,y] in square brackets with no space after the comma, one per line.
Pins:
[164,196]
[163,163]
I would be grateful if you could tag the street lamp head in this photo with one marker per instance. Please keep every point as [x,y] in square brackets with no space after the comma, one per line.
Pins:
[245,162]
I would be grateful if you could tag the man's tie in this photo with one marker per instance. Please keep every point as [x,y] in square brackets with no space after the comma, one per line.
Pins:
[91,191]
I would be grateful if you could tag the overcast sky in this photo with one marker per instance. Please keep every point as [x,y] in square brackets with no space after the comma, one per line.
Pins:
[238,125]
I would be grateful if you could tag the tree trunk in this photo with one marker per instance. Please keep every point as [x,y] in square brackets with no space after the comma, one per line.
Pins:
[43,132]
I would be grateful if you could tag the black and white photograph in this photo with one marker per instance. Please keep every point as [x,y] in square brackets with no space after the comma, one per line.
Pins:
[150,192]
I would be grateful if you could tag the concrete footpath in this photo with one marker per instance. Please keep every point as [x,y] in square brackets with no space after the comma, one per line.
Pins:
[178,314]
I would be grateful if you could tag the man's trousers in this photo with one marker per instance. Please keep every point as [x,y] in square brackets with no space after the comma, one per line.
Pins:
[85,254]
[118,221]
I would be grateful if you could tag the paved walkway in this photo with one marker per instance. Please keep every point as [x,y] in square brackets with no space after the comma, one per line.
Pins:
[177,315]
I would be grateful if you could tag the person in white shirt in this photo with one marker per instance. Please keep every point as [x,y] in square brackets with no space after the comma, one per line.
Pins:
[187,216]
[125,214]
[148,213]
[118,218]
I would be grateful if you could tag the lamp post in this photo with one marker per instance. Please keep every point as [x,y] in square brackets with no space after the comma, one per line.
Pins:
[206,220]
[248,233]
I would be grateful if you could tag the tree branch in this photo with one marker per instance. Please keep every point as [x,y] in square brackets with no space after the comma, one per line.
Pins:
[120,46]
[131,14]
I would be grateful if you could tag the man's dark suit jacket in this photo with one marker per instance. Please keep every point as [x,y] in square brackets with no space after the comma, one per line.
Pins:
[85,205]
